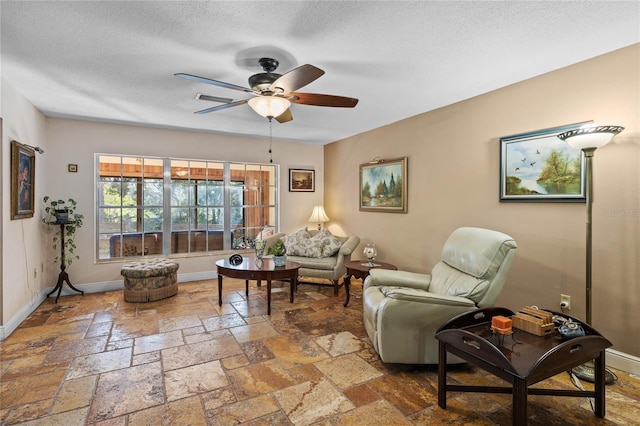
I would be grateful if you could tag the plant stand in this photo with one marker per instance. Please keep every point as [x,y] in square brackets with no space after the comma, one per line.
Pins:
[63,276]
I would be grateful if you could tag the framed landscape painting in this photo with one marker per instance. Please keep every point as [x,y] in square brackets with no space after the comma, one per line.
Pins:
[302,180]
[540,167]
[23,169]
[383,186]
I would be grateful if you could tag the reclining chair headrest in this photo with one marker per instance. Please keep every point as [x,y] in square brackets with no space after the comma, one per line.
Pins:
[477,251]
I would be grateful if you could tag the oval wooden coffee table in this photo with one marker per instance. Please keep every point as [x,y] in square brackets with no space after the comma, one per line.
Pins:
[360,269]
[252,269]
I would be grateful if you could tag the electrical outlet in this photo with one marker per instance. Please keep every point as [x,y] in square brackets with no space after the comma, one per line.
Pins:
[565,301]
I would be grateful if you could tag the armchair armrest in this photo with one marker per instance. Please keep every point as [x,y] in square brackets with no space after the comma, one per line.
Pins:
[349,246]
[387,277]
[425,297]
[344,254]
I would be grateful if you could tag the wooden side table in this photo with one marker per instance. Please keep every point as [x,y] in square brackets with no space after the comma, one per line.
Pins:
[360,269]
[521,359]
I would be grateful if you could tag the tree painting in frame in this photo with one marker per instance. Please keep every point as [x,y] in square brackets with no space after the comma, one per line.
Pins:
[540,167]
[383,186]
[23,168]
[302,180]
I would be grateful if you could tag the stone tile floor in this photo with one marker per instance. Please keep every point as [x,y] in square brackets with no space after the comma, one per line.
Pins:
[95,359]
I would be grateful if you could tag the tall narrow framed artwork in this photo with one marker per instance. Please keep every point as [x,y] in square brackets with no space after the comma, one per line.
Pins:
[23,169]
[383,186]
[539,167]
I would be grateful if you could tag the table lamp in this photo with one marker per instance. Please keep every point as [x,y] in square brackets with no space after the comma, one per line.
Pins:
[318,216]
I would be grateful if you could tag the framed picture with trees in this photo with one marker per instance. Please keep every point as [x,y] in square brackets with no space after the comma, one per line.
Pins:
[539,167]
[383,186]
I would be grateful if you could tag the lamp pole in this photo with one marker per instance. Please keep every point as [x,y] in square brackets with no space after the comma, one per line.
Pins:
[588,153]
[588,138]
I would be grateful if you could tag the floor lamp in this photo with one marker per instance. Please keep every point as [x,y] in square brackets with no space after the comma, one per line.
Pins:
[588,138]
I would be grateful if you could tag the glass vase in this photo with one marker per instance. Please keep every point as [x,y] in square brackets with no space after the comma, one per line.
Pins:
[370,253]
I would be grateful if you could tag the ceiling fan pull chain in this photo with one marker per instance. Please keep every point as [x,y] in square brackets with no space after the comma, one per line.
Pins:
[270,139]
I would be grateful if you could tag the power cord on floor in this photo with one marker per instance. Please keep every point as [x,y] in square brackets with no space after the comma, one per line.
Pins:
[578,384]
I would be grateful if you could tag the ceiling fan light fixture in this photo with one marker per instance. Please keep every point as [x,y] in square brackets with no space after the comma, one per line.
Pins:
[269,106]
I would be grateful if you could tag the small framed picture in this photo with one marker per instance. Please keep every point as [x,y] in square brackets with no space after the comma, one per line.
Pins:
[302,180]
[73,168]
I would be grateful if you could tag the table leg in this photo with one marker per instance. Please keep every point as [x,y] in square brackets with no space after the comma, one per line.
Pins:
[442,375]
[293,284]
[62,278]
[347,283]
[519,416]
[58,286]
[599,385]
[219,290]
[246,290]
[66,279]
[268,297]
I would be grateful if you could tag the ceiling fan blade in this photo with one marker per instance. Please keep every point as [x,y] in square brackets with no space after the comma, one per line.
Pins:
[322,100]
[213,98]
[214,82]
[296,78]
[285,116]
[223,106]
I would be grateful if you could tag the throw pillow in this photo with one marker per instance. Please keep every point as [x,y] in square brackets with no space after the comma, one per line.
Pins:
[295,239]
[265,233]
[305,248]
[328,242]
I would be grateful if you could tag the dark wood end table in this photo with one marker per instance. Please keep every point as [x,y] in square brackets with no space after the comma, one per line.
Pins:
[360,269]
[522,359]
[252,269]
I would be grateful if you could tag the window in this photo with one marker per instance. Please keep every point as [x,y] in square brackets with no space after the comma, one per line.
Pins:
[161,206]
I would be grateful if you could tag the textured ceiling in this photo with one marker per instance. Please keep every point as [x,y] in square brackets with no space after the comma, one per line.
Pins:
[114,61]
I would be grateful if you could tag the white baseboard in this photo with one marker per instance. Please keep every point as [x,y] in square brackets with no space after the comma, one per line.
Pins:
[623,362]
[26,310]
[614,359]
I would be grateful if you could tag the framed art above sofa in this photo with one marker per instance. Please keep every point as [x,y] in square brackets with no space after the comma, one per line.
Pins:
[383,186]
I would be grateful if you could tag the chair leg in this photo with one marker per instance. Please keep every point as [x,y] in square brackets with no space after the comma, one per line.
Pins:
[336,287]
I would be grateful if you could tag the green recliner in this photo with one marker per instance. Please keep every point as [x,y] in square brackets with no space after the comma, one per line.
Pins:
[403,310]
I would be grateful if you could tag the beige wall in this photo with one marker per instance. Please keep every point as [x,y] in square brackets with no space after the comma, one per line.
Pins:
[22,254]
[453,155]
[76,142]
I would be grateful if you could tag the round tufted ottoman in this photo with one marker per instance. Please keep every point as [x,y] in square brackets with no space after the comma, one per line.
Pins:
[150,280]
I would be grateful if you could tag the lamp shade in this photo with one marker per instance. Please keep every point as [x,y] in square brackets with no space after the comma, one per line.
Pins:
[269,106]
[318,215]
[590,136]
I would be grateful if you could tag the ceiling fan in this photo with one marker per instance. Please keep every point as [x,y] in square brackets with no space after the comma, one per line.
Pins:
[275,92]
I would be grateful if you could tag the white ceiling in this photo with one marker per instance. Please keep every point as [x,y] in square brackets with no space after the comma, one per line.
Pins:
[114,61]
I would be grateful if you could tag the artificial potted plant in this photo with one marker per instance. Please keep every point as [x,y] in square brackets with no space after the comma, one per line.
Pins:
[279,252]
[62,214]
